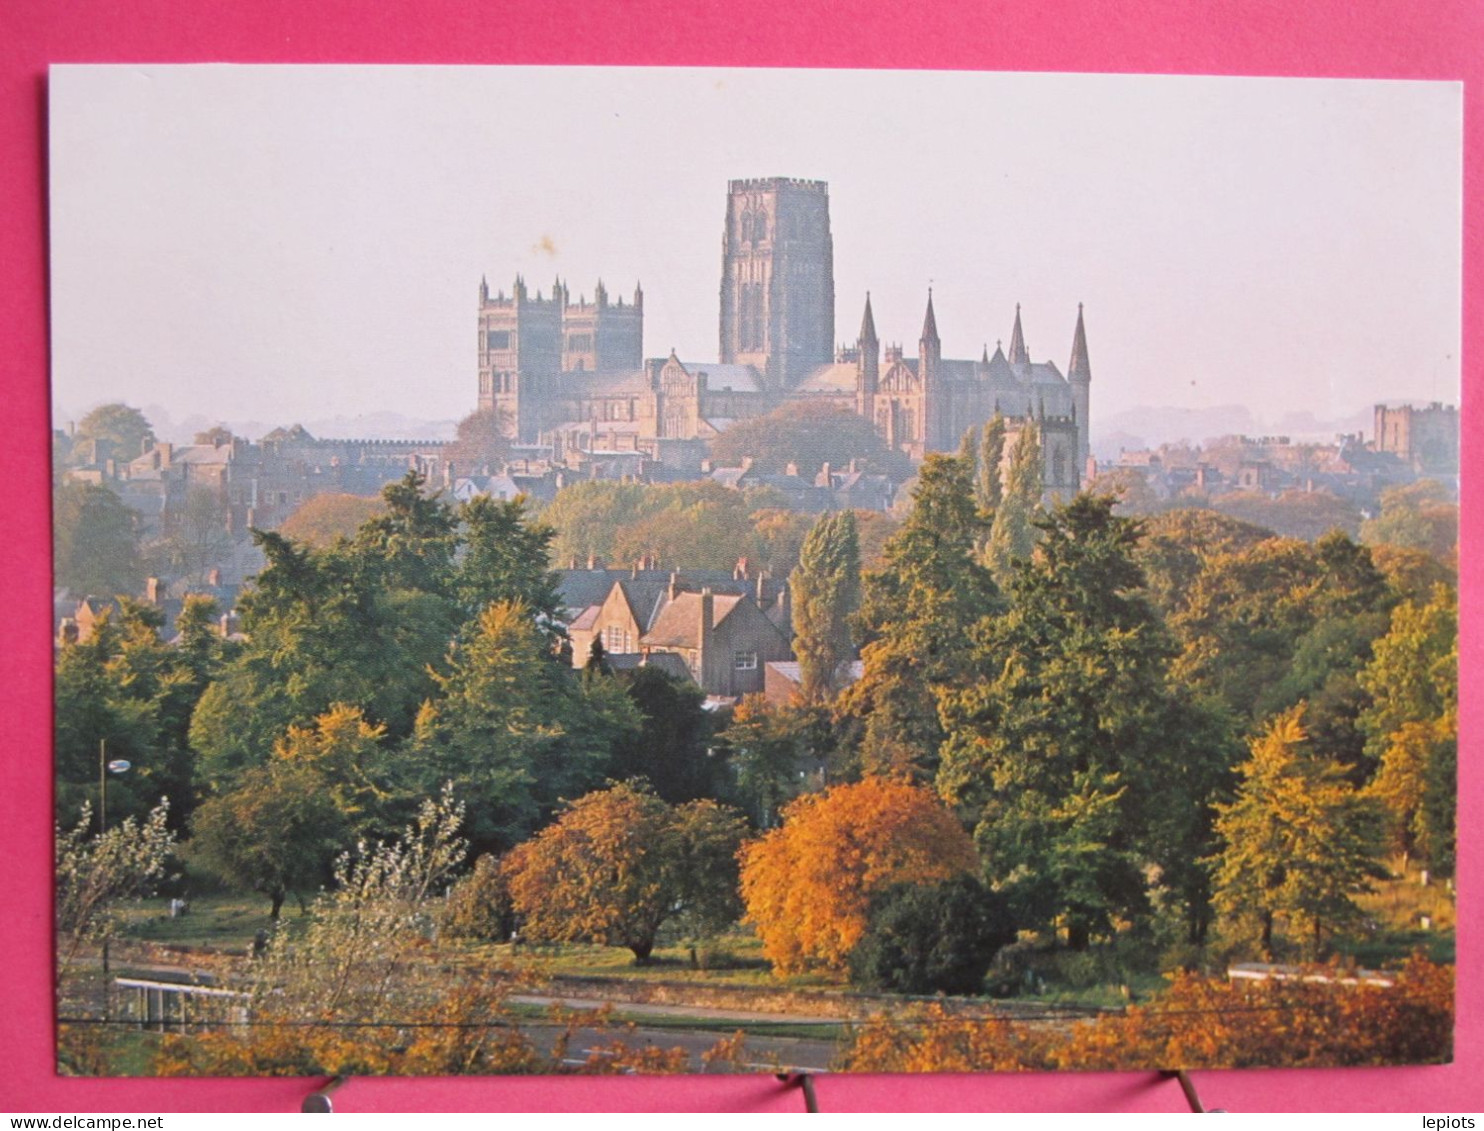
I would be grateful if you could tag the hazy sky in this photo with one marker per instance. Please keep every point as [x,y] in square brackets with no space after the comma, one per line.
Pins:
[285,243]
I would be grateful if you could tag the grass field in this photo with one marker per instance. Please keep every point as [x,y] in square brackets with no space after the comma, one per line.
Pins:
[1402,916]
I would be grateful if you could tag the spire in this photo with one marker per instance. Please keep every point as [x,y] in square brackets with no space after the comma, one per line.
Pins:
[930,323]
[484,288]
[1018,356]
[985,359]
[1079,368]
[868,326]
[639,296]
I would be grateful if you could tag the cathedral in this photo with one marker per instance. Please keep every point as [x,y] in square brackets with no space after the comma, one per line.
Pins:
[570,376]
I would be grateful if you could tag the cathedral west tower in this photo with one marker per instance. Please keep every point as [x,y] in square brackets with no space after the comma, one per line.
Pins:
[778,279]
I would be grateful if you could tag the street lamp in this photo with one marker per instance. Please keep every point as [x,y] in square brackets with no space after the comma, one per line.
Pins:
[105,767]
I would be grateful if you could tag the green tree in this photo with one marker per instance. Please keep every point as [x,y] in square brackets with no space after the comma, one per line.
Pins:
[774,754]
[505,557]
[1411,724]
[1013,535]
[935,939]
[95,548]
[1071,754]
[914,612]
[1419,516]
[808,435]
[514,729]
[826,594]
[989,484]
[122,427]
[1299,840]
[275,832]
[672,748]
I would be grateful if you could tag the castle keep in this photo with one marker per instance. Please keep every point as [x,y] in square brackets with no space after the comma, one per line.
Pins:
[571,375]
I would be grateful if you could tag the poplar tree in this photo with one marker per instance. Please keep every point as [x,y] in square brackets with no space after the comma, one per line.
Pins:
[1013,535]
[826,594]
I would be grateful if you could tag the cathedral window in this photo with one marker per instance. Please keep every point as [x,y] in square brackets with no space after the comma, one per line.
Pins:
[1058,466]
[499,339]
[747,227]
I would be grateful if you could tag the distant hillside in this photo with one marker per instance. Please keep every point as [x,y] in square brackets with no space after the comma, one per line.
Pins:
[1148,427]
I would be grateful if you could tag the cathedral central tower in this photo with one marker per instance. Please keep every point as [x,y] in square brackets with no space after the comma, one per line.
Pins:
[778,278]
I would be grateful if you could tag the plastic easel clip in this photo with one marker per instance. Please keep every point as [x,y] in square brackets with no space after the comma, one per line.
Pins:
[1191,1096]
[804,1082]
[318,1101]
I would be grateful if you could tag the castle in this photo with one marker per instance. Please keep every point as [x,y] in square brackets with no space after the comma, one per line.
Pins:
[570,376]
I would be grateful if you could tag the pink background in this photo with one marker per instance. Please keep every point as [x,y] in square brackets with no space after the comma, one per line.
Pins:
[1436,39]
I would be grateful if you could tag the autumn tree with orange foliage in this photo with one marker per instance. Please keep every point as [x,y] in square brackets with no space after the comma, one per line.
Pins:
[1197,1022]
[808,884]
[620,862]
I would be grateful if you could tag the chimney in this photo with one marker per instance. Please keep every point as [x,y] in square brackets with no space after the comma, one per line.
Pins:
[739,573]
[152,590]
[214,578]
[703,638]
[706,467]
[785,610]
[592,561]
[746,463]
[674,589]
[762,577]
[791,468]
[824,479]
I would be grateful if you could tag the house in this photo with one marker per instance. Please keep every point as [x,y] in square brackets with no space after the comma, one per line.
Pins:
[724,639]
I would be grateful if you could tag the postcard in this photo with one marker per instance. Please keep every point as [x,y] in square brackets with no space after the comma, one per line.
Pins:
[526,602]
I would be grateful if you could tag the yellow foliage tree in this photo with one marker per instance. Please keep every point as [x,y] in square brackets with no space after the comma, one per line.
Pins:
[808,884]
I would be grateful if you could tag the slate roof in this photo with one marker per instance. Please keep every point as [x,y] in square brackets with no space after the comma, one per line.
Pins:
[676,626]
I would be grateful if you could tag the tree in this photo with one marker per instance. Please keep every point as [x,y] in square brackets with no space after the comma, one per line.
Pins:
[506,557]
[95,546]
[808,435]
[826,593]
[1071,754]
[1013,534]
[275,832]
[938,939]
[199,538]
[1411,724]
[1419,516]
[672,747]
[125,429]
[1299,840]
[618,863]
[1293,514]
[911,627]
[808,884]
[324,519]
[989,483]
[360,623]
[95,872]
[514,729]
[482,442]
[774,754]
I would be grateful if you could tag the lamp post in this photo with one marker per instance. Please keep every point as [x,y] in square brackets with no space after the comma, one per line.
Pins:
[105,767]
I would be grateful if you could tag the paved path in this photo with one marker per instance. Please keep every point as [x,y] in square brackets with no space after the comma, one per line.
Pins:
[692,1012]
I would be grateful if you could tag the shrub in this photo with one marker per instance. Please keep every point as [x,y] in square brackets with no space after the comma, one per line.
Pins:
[928,939]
